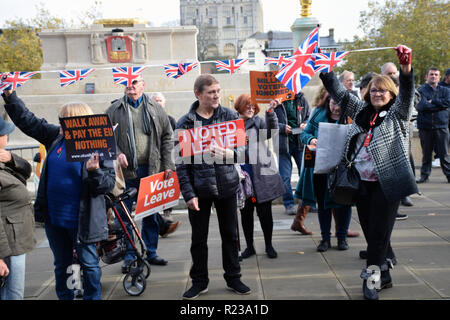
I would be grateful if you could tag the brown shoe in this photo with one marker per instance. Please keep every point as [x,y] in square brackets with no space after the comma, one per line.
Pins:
[352,234]
[299,220]
[173,226]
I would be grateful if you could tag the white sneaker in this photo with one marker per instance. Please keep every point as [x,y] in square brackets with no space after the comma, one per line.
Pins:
[436,163]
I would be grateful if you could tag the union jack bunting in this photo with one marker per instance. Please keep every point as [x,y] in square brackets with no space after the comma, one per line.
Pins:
[298,73]
[280,61]
[68,77]
[176,70]
[325,62]
[230,65]
[13,80]
[126,75]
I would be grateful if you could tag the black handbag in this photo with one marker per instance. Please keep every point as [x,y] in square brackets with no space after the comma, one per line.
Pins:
[344,181]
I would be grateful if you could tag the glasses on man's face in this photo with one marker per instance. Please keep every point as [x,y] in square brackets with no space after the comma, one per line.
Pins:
[374,92]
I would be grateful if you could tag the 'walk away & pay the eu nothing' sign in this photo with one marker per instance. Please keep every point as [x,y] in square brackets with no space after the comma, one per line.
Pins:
[85,135]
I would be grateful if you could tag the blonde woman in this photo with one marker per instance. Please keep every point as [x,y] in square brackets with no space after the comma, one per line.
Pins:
[70,198]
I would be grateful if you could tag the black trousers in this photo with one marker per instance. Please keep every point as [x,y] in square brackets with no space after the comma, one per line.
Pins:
[377,218]
[437,139]
[264,212]
[227,216]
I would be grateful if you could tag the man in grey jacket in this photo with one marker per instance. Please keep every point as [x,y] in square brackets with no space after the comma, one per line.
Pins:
[144,141]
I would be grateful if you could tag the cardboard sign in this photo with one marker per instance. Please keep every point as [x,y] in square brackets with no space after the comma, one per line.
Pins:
[157,194]
[85,135]
[264,86]
[228,134]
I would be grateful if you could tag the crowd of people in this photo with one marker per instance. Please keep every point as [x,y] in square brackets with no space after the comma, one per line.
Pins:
[70,198]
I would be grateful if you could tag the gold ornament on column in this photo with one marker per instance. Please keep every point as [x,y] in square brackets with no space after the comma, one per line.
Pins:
[306,8]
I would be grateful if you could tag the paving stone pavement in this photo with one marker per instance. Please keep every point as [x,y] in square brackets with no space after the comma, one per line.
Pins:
[421,244]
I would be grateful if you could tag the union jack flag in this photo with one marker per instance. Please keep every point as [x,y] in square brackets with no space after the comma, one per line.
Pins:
[230,65]
[176,70]
[67,77]
[298,73]
[325,62]
[126,75]
[13,80]
[280,61]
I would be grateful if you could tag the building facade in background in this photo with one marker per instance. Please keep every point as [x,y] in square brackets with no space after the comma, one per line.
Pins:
[223,25]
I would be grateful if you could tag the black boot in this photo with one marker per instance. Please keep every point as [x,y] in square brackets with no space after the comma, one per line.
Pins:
[386,280]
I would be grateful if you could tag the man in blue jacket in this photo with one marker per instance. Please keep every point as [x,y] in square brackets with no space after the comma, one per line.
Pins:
[432,122]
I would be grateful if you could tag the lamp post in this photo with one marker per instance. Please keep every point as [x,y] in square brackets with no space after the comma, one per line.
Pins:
[304,25]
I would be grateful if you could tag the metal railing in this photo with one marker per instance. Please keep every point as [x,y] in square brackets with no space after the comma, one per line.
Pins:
[28,152]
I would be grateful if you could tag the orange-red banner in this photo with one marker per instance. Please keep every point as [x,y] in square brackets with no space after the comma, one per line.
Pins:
[157,194]
[228,135]
[264,86]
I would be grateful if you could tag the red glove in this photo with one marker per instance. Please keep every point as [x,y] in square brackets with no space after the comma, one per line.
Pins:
[404,54]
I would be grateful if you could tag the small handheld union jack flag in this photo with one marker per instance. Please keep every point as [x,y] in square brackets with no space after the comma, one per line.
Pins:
[13,80]
[68,77]
[280,61]
[176,70]
[126,75]
[298,73]
[325,62]
[230,65]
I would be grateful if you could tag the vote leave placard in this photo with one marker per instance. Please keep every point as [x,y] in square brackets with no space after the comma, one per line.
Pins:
[228,135]
[157,194]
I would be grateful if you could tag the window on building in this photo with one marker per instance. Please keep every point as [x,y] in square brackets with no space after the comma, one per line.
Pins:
[245,20]
[206,11]
[242,9]
[210,21]
[196,12]
[232,10]
[194,21]
[228,20]
[251,57]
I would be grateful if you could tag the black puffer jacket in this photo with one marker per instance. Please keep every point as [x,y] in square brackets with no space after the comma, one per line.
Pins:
[204,180]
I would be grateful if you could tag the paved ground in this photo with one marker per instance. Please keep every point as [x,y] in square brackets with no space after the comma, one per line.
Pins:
[421,243]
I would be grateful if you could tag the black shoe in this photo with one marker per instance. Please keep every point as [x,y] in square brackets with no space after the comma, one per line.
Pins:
[422,180]
[400,216]
[448,179]
[271,253]
[248,252]
[238,287]
[342,244]
[157,261]
[194,292]
[406,201]
[386,280]
[126,266]
[363,254]
[324,245]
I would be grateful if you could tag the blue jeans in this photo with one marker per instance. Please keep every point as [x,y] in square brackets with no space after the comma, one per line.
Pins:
[15,282]
[150,224]
[62,242]
[285,168]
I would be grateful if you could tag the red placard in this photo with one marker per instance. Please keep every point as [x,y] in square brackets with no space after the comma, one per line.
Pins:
[228,135]
[157,194]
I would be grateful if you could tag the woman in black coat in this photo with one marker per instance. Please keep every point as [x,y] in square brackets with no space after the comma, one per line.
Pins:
[380,131]
[261,168]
